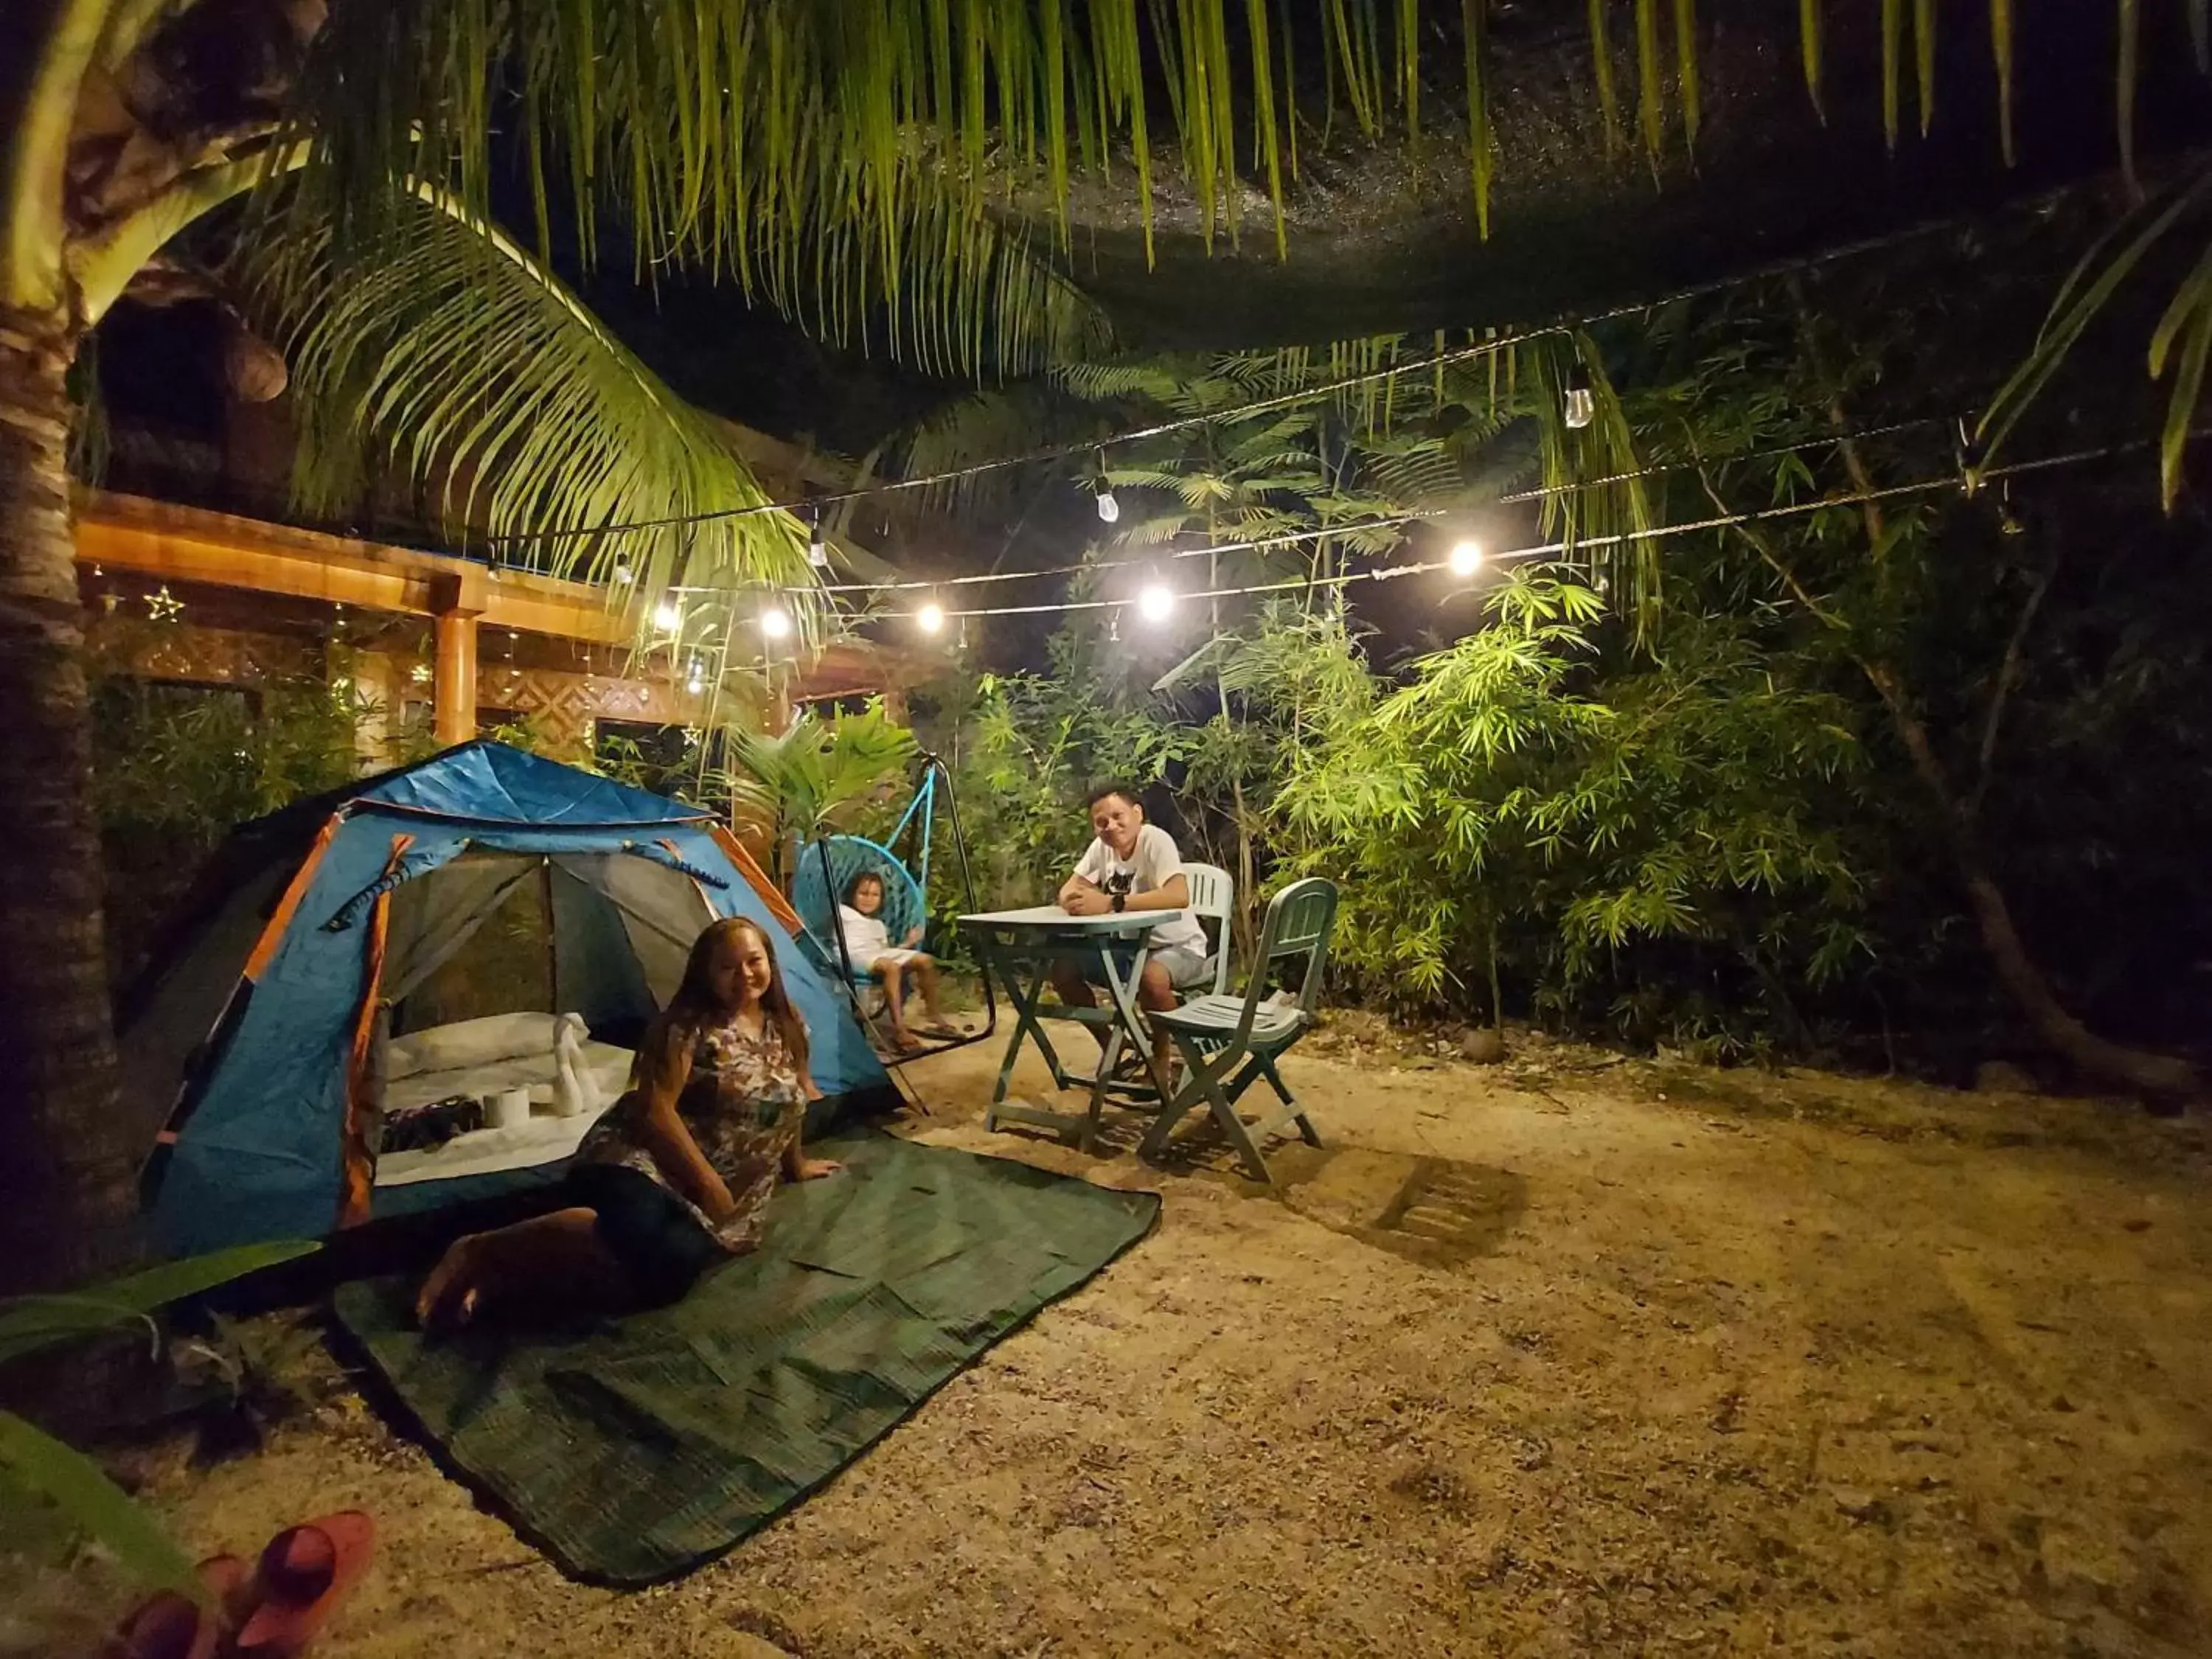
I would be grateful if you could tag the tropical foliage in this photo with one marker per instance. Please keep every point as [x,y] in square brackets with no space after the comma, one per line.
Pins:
[1857,764]
[40,1475]
[818,777]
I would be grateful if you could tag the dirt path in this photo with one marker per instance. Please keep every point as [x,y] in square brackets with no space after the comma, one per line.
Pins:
[1646,1359]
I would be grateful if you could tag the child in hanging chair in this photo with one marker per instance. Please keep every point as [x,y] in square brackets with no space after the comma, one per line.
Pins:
[869,949]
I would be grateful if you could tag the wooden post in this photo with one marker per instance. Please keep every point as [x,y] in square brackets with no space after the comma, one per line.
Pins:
[458,601]
[895,709]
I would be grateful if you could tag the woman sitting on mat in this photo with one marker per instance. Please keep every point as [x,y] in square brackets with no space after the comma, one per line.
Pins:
[868,948]
[677,1176]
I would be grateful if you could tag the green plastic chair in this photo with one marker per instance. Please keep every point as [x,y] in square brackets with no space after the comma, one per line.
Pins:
[1228,1043]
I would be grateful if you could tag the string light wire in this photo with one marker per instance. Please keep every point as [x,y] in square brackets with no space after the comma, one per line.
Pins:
[1428,363]
[1383,521]
[1657,532]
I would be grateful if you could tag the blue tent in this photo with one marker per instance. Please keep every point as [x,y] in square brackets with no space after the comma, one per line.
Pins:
[320,935]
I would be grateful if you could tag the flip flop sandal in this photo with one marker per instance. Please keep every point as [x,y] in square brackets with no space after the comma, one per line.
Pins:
[172,1626]
[306,1572]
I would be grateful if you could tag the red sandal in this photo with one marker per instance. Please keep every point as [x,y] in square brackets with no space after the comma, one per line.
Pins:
[173,1627]
[306,1572]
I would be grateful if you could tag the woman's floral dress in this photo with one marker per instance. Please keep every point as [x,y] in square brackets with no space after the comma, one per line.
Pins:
[742,1103]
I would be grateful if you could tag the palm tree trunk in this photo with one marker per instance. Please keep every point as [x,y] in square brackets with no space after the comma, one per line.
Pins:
[67,1151]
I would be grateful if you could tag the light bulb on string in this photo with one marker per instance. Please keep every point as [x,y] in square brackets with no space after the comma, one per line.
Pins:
[817,551]
[623,573]
[1110,510]
[1155,603]
[1466,559]
[776,622]
[697,681]
[1582,402]
[668,616]
[931,619]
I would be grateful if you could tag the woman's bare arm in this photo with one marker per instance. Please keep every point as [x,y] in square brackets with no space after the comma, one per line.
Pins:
[796,1166]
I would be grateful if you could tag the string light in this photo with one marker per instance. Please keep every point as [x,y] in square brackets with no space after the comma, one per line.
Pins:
[1466,559]
[668,618]
[1582,403]
[697,682]
[163,606]
[623,574]
[1157,602]
[931,619]
[420,674]
[776,622]
[1110,510]
[817,553]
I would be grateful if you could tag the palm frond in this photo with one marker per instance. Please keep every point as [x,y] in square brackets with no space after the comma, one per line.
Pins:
[480,380]
[915,158]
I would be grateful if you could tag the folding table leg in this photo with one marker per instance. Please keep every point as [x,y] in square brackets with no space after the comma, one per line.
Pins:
[1025,1001]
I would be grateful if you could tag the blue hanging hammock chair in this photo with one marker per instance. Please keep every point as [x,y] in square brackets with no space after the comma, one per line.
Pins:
[829,867]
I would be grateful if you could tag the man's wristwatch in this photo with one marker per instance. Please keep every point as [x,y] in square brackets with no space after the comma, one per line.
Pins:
[1120,903]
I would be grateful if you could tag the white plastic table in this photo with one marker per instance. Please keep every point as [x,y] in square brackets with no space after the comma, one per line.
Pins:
[1023,947]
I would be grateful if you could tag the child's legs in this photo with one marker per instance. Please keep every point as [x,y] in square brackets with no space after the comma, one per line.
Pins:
[925,979]
[892,974]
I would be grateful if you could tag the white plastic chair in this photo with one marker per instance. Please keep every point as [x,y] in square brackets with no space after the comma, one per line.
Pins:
[1213,898]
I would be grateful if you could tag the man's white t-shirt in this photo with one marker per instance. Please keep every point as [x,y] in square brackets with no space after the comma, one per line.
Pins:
[1152,864]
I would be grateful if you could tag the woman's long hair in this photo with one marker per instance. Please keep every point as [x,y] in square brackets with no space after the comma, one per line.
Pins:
[694,1006]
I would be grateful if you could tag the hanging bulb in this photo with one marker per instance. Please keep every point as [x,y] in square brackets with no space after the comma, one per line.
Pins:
[776,622]
[817,551]
[931,619]
[622,572]
[1582,405]
[1110,510]
[1466,559]
[2009,522]
[1156,602]
[668,615]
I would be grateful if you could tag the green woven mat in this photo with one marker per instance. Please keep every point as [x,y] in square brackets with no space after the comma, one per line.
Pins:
[633,1451]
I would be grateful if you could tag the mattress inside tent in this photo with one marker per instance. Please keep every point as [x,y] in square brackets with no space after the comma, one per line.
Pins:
[545,1139]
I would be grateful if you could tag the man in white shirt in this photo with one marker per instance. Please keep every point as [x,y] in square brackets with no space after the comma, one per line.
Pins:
[1134,865]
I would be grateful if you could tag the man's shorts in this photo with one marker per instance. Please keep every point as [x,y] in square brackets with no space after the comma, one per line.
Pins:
[1186,970]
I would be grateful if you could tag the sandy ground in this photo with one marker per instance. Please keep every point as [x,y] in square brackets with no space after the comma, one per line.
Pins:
[1568,1356]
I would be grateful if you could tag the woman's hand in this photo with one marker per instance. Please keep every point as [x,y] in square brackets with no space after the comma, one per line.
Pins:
[813,1169]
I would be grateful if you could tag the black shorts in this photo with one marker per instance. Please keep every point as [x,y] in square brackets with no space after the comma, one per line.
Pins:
[647,1229]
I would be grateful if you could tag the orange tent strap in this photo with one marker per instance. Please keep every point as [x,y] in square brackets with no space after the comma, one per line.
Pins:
[748,867]
[265,948]
[359,1167]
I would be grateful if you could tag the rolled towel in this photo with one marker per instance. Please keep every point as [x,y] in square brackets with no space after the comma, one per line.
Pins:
[574,1090]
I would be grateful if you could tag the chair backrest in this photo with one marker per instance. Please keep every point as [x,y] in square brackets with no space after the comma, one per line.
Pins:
[1213,898]
[1300,920]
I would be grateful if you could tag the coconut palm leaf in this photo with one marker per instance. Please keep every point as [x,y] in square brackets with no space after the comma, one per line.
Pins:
[486,384]
[2100,274]
[884,157]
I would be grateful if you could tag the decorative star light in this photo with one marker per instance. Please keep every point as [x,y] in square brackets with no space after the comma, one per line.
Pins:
[163,606]
[420,674]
